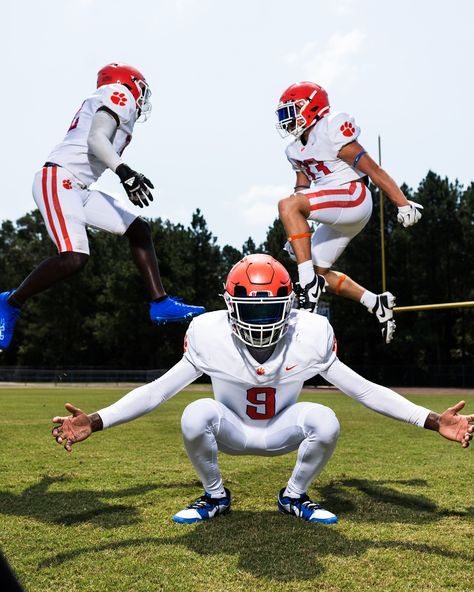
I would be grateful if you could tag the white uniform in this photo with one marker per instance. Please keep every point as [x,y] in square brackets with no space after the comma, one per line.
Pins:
[258,392]
[61,193]
[255,410]
[339,201]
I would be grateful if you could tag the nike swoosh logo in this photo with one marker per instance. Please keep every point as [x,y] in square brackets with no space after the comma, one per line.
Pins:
[288,368]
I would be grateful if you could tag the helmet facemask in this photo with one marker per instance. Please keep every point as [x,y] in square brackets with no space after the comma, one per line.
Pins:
[290,119]
[143,101]
[260,319]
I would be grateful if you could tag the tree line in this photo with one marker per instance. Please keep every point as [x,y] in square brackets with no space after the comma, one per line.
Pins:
[99,318]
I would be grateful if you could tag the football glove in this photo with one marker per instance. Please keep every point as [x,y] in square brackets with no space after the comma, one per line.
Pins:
[136,185]
[409,215]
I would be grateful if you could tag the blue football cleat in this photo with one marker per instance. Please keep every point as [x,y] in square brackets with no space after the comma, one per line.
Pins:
[8,317]
[204,508]
[173,310]
[304,508]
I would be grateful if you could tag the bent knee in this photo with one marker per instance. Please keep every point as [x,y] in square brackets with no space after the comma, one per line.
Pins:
[294,204]
[198,416]
[322,422]
[286,205]
[139,227]
[73,261]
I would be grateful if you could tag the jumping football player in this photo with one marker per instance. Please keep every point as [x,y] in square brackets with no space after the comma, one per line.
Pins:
[258,354]
[326,153]
[96,139]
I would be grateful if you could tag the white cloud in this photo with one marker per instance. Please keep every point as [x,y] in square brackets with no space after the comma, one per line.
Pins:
[331,62]
[259,205]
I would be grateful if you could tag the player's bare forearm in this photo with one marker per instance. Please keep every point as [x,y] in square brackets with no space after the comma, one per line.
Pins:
[366,164]
[302,182]
[385,182]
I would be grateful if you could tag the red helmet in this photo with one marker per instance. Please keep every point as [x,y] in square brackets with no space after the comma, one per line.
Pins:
[301,105]
[259,297]
[132,79]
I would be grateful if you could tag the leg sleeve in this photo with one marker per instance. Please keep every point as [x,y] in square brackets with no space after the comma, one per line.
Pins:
[314,429]
[203,424]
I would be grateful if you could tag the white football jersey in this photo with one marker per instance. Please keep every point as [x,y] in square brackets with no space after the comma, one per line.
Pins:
[73,154]
[318,158]
[253,391]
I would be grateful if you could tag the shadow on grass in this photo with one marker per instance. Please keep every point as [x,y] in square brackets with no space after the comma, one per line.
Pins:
[383,501]
[267,544]
[72,507]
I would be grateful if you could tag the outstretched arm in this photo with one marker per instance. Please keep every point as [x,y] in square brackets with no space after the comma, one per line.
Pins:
[449,424]
[377,174]
[409,212]
[79,426]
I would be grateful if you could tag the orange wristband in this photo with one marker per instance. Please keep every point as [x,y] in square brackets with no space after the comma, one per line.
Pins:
[340,282]
[297,236]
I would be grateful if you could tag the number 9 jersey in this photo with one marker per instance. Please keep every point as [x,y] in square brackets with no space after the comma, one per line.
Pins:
[258,392]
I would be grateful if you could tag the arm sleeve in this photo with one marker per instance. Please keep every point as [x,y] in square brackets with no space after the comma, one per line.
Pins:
[145,398]
[99,141]
[374,396]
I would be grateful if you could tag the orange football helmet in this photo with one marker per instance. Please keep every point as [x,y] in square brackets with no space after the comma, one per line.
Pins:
[259,297]
[301,105]
[132,79]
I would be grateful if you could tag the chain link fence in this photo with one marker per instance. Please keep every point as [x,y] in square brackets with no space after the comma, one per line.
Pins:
[455,376]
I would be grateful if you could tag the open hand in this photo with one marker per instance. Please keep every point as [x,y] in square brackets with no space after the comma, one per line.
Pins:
[136,185]
[73,428]
[458,428]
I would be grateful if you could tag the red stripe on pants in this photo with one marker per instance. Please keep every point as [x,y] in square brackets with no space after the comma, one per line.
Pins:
[59,213]
[338,203]
[44,181]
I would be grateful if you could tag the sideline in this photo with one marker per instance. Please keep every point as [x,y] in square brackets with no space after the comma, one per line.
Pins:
[325,389]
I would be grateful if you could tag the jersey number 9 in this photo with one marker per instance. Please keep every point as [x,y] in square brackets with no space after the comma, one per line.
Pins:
[263,402]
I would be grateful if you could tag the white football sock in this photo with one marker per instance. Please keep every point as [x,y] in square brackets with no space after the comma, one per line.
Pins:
[290,492]
[219,493]
[305,273]
[369,299]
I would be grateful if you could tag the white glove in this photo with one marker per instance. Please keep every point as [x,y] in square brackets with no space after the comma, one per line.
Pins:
[409,215]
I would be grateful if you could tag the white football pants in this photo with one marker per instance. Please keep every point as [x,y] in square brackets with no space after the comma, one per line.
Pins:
[209,426]
[68,207]
[342,212]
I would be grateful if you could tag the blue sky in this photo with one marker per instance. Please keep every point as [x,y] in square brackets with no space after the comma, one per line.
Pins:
[216,69]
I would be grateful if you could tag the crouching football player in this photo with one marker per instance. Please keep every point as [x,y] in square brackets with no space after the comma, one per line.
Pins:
[258,354]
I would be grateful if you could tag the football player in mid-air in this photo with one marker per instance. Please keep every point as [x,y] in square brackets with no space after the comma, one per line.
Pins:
[95,141]
[325,153]
[258,354]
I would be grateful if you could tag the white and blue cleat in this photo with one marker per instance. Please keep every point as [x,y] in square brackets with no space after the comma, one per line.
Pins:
[304,508]
[204,508]
[173,310]
[8,317]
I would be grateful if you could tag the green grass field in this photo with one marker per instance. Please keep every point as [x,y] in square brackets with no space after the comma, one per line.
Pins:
[100,518]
